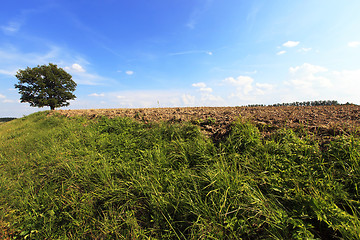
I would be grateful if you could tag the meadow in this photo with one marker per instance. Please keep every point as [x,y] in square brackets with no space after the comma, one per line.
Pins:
[79,178]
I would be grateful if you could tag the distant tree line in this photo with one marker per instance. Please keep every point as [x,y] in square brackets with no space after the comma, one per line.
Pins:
[6,119]
[310,103]
[305,103]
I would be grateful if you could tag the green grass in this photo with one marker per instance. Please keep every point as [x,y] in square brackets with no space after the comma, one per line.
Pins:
[76,178]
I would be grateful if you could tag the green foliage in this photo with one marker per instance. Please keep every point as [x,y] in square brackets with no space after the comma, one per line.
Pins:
[76,178]
[45,85]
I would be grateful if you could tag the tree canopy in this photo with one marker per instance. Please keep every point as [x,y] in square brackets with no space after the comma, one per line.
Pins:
[45,85]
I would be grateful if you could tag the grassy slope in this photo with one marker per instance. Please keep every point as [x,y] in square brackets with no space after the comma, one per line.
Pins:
[75,178]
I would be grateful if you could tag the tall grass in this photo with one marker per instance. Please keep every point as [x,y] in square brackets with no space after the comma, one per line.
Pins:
[76,178]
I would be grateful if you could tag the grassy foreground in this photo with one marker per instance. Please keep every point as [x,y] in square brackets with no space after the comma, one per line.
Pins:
[76,178]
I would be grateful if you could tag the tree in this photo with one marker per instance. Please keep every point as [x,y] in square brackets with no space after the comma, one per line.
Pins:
[45,85]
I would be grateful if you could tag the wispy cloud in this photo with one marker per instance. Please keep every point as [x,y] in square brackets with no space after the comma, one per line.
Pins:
[91,79]
[197,13]
[250,18]
[252,72]
[8,101]
[191,52]
[81,76]
[305,49]
[12,59]
[354,44]
[191,23]
[8,72]
[15,24]
[129,72]
[96,95]
[290,44]
[4,99]
[10,54]
[11,27]
[281,53]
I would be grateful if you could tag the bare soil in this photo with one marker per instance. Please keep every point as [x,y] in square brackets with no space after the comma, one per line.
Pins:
[324,121]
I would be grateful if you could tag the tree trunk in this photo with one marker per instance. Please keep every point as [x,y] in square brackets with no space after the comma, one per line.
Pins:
[52,108]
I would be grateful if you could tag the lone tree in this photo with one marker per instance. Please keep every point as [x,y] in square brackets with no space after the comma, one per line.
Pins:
[45,85]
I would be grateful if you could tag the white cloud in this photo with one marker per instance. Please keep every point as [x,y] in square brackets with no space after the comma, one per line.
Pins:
[129,72]
[188,99]
[210,99]
[281,53]
[311,81]
[243,85]
[305,49]
[265,86]
[347,85]
[245,89]
[314,82]
[80,75]
[206,97]
[199,85]
[354,44]
[210,53]
[202,87]
[75,68]
[96,95]
[8,101]
[5,99]
[291,44]
[239,81]
[206,89]
[307,69]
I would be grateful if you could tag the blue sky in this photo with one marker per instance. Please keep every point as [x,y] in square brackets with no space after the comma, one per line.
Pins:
[176,53]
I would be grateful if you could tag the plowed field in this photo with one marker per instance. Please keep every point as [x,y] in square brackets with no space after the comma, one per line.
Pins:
[324,121]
